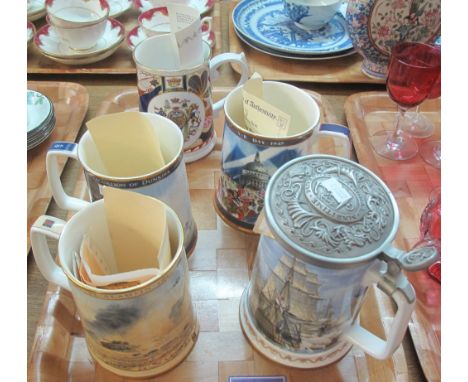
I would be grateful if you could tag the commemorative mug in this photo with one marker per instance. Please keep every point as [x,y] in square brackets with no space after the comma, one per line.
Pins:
[138,331]
[169,183]
[330,227]
[249,159]
[182,95]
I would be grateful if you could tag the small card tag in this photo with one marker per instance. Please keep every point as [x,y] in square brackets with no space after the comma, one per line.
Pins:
[338,192]
[263,118]
[186,25]
[278,378]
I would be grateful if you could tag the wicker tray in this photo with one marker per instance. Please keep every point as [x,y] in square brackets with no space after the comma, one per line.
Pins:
[411,182]
[70,104]
[220,269]
[120,62]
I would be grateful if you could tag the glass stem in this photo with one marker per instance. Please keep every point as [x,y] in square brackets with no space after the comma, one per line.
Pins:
[396,139]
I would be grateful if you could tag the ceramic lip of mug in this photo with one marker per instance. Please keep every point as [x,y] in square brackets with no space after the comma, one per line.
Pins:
[162,88]
[148,21]
[332,223]
[93,302]
[172,176]
[266,154]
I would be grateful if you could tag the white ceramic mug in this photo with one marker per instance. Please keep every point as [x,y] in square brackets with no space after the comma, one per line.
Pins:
[249,159]
[127,329]
[168,183]
[183,95]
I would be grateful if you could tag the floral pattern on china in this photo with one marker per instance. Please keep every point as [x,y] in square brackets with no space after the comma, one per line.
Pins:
[267,23]
[375,26]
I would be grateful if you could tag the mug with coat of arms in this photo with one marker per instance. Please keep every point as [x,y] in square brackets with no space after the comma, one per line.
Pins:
[183,95]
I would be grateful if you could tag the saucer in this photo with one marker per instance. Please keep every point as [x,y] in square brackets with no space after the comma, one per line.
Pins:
[40,118]
[51,45]
[266,24]
[36,10]
[118,7]
[31,32]
[203,6]
[137,35]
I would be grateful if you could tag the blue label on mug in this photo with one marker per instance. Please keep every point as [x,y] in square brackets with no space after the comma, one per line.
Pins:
[63,146]
[335,128]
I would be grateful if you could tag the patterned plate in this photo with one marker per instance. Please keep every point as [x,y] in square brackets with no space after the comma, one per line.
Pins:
[203,6]
[265,24]
[292,56]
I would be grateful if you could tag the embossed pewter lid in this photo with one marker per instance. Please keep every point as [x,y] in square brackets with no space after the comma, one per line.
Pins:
[330,210]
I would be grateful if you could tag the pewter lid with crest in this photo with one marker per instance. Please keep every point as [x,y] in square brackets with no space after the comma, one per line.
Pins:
[330,210]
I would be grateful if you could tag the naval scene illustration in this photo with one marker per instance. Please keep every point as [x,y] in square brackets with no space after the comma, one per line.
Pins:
[144,332]
[246,170]
[291,305]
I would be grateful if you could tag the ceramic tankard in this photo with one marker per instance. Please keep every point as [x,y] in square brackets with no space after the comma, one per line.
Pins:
[183,94]
[250,159]
[331,224]
[138,331]
[169,183]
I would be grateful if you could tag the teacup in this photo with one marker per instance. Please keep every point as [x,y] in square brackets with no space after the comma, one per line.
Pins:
[168,183]
[311,14]
[79,23]
[77,13]
[156,22]
[138,331]
[249,159]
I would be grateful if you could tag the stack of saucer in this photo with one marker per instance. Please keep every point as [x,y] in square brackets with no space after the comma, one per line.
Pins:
[41,118]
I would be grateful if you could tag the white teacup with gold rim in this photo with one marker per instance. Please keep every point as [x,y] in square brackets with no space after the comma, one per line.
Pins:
[138,331]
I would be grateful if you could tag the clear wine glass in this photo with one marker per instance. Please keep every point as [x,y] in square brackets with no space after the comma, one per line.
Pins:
[431,151]
[412,71]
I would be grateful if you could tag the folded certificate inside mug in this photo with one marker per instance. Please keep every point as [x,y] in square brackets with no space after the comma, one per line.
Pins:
[126,143]
[139,242]
[260,116]
[186,26]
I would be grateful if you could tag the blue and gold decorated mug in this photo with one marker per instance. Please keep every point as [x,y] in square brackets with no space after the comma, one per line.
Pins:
[169,183]
[182,95]
[249,159]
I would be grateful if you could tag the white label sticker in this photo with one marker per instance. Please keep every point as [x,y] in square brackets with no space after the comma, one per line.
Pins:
[337,190]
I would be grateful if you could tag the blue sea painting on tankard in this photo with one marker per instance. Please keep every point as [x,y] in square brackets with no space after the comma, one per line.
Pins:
[246,170]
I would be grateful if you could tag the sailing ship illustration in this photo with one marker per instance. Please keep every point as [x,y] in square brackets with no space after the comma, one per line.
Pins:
[290,310]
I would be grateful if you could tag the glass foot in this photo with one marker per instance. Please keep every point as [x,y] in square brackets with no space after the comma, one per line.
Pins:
[431,153]
[417,125]
[392,147]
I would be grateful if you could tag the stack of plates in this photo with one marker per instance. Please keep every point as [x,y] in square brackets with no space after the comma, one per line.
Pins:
[266,27]
[41,118]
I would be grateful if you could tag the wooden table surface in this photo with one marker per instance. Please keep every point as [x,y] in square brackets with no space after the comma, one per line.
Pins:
[98,87]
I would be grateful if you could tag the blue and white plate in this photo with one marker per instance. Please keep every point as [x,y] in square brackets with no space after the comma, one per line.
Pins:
[265,23]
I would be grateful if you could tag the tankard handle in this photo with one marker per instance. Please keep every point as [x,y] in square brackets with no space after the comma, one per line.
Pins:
[47,226]
[70,150]
[388,276]
[217,61]
[334,130]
